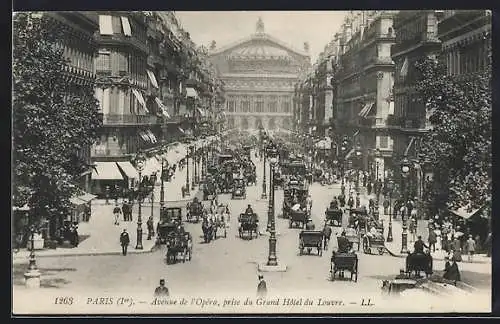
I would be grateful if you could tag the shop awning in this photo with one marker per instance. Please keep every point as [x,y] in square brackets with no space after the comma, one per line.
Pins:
[105,25]
[190,92]
[127,31]
[152,136]
[144,136]
[162,107]
[202,113]
[349,154]
[106,171]
[412,140]
[82,199]
[152,78]
[140,99]
[24,208]
[465,212]
[366,110]
[128,169]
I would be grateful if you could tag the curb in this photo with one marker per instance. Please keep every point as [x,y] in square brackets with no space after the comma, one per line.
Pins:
[103,253]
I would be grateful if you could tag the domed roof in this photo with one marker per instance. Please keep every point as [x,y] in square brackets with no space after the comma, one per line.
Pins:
[259,51]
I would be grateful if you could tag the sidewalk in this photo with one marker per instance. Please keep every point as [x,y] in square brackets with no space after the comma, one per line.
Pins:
[99,236]
[394,247]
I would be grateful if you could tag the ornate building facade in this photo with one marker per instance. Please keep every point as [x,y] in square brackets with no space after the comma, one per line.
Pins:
[259,73]
[416,38]
[364,92]
[80,49]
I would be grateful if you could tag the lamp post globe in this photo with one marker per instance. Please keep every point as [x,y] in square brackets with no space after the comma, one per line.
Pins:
[390,187]
[264,186]
[405,170]
[272,258]
[140,160]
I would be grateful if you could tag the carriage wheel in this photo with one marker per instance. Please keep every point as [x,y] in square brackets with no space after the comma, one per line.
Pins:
[225,232]
[290,224]
[320,250]
[240,232]
[380,250]
[301,250]
[184,255]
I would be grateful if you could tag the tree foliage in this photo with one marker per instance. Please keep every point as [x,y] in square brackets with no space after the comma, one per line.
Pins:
[53,119]
[458,147]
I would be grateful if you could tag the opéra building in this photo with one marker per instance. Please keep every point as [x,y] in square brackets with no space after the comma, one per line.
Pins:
[259,73]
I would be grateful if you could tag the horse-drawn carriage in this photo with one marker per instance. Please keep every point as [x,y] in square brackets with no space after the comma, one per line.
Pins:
[239,190]
[194,211]
[209,188]
[209,229]
[179,243]
[374,242]
[309,240]
[334,216]
[418,262]
[294,193]
[170,223]
[341,262]
[298,218]
[249,224]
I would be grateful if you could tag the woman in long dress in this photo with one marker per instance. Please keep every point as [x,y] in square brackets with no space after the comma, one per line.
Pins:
[457,250]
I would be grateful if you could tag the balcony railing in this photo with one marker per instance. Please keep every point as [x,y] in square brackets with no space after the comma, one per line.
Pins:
[394,121]
[112,119]
[412,123]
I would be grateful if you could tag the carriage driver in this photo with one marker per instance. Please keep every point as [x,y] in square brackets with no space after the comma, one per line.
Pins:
[373,231]
[344,246]
[249,209]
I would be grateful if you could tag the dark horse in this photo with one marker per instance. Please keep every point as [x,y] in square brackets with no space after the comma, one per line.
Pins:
[208,230]
[327,233]
[417,262]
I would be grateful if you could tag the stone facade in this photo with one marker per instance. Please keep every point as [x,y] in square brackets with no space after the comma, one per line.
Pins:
[259,74]
[416,38]
[466,37]
[364,91]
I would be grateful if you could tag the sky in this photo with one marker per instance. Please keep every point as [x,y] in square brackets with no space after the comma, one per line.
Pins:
[291,27]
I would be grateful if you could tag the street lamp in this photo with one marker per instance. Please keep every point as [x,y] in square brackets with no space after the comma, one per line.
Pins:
[32,276]
[390,187]
[358,162]
[193,182]
[273,155]
[377,194]
[264,189]
[140,159]
[162,189]
[188,191]
[405,171]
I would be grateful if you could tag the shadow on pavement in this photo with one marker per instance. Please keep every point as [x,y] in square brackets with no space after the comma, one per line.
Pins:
[47,279]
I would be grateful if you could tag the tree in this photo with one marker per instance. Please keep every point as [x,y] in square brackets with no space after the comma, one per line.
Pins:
[458,147]
[53,120]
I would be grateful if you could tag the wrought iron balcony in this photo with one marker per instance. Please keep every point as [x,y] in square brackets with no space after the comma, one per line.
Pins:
[118,119]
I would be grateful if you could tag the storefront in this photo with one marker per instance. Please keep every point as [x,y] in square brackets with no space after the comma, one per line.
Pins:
[106,174]
[129,173]
[81,208]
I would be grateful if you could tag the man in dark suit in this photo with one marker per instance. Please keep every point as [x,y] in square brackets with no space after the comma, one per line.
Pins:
[161,290]
[343,244]
[261,287]
[124,241]
[419,245]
